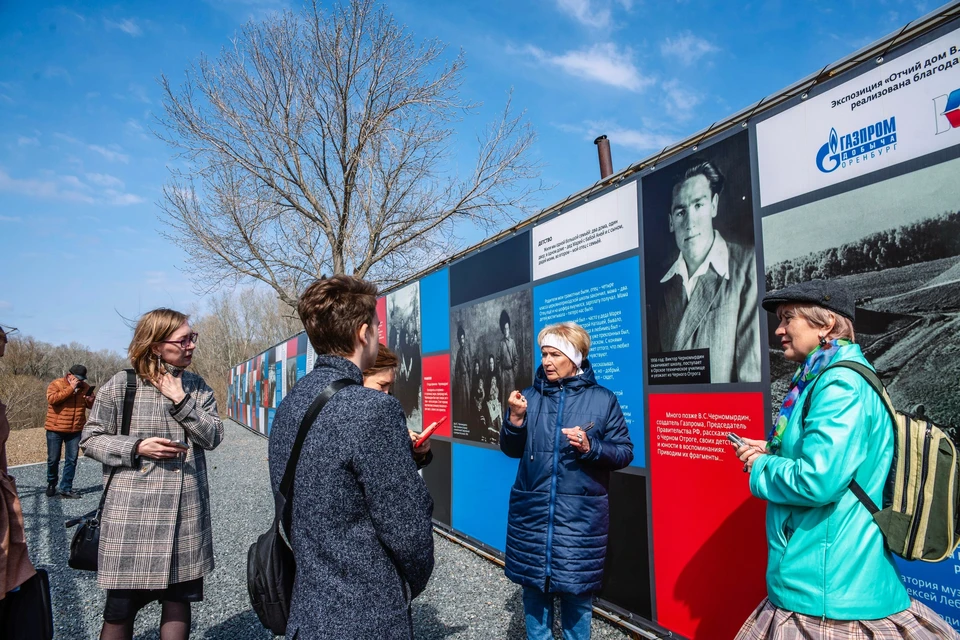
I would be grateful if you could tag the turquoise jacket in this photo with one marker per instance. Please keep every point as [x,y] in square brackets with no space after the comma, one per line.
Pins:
[826,554]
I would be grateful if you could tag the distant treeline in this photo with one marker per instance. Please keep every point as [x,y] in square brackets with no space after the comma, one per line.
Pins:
[922,241]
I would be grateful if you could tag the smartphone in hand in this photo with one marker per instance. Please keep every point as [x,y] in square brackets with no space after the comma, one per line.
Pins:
[89,392]
[736,440]
[180,444]
[428,432]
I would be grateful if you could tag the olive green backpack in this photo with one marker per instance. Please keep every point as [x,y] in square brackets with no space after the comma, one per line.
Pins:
[920,519]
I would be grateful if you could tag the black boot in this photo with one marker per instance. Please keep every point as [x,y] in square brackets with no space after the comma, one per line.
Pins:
[51,489]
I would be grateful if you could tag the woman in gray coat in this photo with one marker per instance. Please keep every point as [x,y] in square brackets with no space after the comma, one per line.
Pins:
[155,539]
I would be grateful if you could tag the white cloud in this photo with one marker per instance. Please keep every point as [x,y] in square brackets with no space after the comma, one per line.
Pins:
[121,199]
[57,72]
[636,139]
[680,100]
[6,306]
[11,219]
[139,93]
[602,63]
[69,188]
[113,154]
[24,141]
[66,138]
[687,48]
[105,180]
[127,25]
[42,189]
[585,13]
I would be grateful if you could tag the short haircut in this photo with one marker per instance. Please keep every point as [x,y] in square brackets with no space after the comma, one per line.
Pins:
[819,317]
[707,170]
[153,327]
[386,360]
[571,332]
[333,309]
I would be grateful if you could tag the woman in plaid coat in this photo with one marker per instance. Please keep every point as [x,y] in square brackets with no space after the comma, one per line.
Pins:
[155,539]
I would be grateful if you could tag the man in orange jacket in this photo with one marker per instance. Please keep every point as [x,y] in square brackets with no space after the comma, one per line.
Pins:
[68,398]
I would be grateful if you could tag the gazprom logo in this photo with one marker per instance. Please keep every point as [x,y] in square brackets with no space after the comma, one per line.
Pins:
[862,144]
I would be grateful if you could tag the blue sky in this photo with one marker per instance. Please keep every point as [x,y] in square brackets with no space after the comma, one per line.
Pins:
[81,171]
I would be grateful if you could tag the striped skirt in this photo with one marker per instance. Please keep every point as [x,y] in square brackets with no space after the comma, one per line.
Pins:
[768,622]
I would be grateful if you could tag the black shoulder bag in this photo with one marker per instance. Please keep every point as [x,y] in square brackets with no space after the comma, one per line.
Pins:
[270,563]
[85,546]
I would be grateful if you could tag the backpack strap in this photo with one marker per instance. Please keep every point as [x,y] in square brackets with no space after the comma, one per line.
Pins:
[873,380]
[285,493]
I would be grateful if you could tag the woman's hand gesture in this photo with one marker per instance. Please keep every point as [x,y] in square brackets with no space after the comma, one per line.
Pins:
[749,452]
[577,438]
[170,386]
[158,448]
[518,408]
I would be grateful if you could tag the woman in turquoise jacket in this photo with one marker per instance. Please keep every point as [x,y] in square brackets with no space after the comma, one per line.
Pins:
[828,573]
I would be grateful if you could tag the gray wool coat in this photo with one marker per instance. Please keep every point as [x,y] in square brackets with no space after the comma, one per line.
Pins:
[155,530]
[361,520]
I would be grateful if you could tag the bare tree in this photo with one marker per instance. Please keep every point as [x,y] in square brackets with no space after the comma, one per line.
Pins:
[324,143]
[236,326]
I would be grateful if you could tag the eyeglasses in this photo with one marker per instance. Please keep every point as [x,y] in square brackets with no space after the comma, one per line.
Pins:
[8,331]
[185,342]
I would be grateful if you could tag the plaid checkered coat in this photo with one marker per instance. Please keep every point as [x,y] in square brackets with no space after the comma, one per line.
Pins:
[155,529]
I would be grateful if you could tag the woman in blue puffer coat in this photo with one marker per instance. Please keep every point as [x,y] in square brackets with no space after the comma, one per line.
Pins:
[569,434]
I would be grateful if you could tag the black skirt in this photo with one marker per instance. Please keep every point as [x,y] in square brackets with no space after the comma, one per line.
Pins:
[123,604]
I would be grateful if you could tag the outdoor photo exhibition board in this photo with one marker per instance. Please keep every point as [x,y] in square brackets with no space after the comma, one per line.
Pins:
[857,181]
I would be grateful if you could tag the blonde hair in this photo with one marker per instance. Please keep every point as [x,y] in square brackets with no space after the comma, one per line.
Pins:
[819,317]
[153,327]
[569,331]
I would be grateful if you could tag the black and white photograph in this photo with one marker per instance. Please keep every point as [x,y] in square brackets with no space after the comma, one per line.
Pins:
[896,245]
[403,336]
[700,268]
[289,374]
[491,357]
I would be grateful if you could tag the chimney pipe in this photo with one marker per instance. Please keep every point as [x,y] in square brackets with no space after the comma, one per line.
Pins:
[603,151]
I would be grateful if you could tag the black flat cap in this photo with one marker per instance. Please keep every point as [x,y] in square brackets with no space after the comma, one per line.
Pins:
[828,294]
[79,371]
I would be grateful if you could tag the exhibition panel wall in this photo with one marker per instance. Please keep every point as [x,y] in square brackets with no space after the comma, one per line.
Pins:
[856,180]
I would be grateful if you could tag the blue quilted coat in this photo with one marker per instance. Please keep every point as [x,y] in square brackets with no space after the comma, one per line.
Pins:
[559,513]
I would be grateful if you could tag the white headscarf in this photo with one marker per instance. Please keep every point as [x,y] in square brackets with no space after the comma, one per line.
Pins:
[565,347]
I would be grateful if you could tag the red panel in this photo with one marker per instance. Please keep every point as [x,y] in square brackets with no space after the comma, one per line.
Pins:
[292,348]
[708,531]
[953,117]
[382,316]
[436,392]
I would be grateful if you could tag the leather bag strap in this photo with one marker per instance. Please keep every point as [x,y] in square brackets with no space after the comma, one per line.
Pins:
[129,394]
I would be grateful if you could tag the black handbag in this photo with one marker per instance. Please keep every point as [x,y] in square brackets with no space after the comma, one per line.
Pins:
[26,614]
[270,563]
[85,546]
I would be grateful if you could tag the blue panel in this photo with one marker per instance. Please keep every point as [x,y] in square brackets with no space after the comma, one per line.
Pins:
[935,585]
[481,493]
[435,312]
[301,365]
[605,302]
[270,414]
[281,385]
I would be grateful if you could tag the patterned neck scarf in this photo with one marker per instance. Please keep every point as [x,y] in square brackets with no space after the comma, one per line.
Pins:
[816,362]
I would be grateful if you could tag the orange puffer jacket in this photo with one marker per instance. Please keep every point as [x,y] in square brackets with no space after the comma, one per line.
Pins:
[66,410]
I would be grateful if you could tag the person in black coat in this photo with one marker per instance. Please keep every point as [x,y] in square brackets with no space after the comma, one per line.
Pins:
[361,523]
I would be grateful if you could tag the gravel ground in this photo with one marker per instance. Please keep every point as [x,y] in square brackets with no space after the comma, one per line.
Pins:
[467,598]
